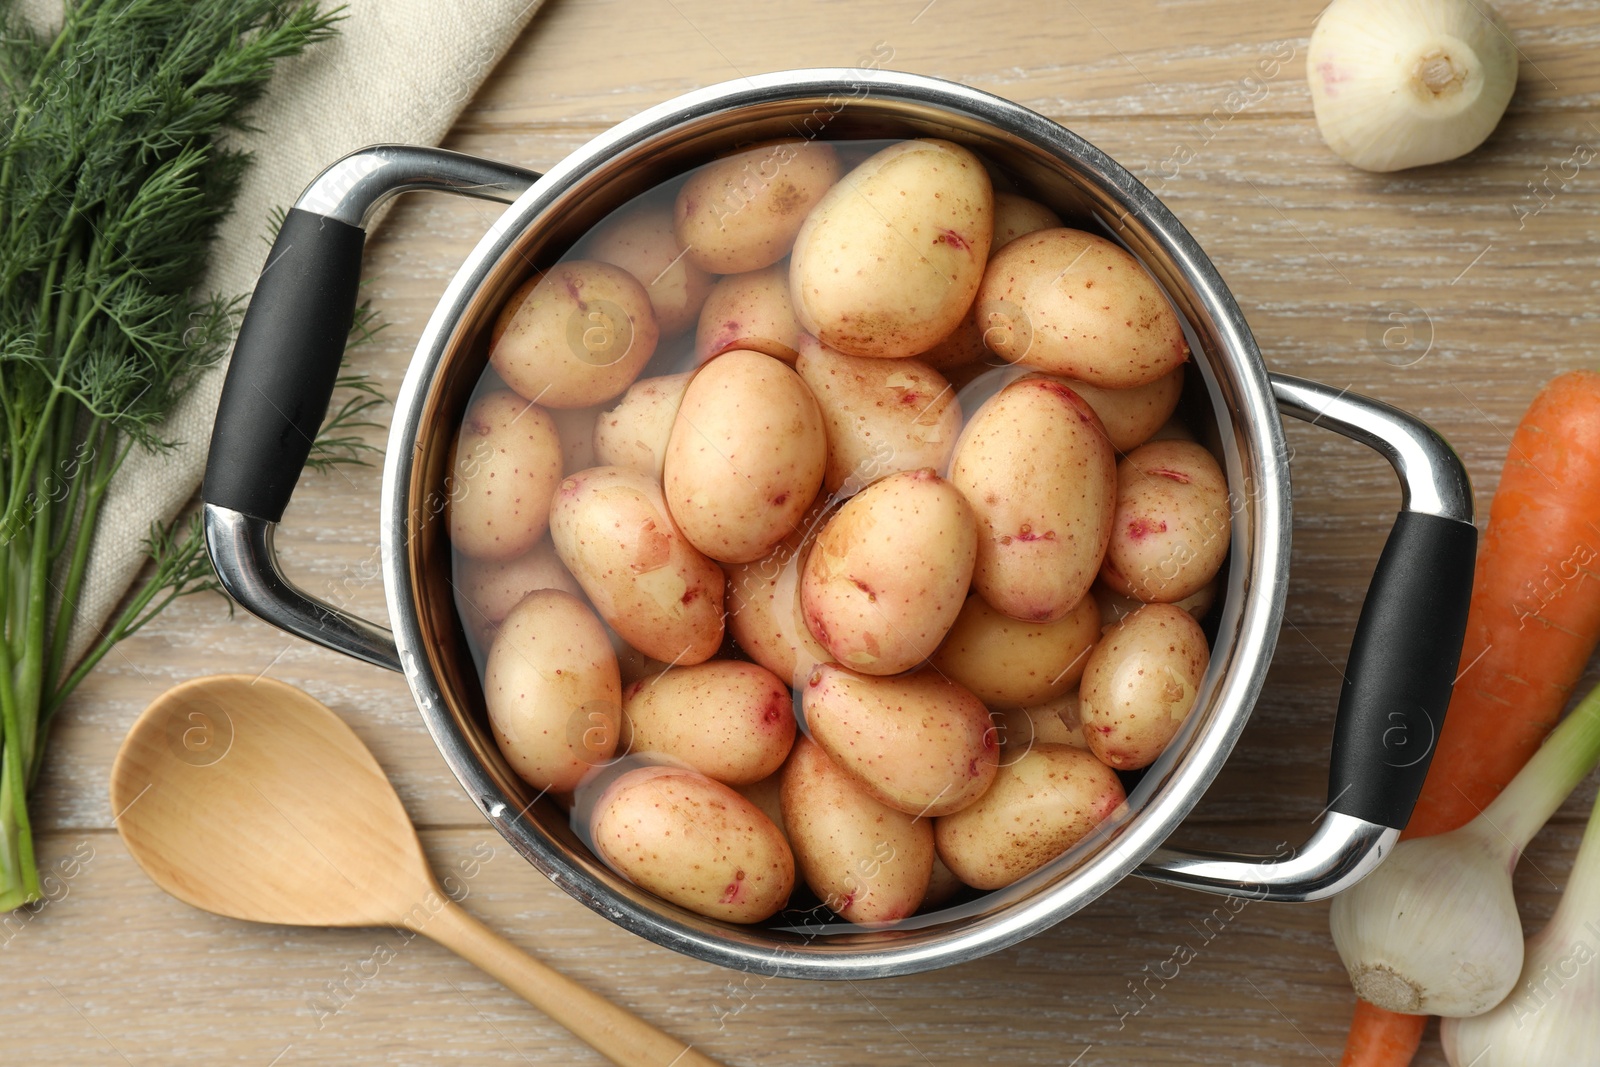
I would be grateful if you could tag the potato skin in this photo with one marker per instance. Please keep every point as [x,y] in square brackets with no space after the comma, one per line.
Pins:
[1114,606]
[695,842]
[765,615]
[889,572]
[1132,416]
[1075,304]
[745,458]
[1008,663]
[882,416]
[574,336]
[507,466]
[1015,216]
[552,690]
[1141,683]
[1040,473]
[1039,806]
[729,720]
[741,212]
[487,590]
[640,241]
[1055,722]
[1173,523]
[869,863]
[576,427]
[612,529]
[918,742]
[749,311]
[888,262]
[634,433]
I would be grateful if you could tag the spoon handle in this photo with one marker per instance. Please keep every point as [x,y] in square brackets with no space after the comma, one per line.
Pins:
[614,1032]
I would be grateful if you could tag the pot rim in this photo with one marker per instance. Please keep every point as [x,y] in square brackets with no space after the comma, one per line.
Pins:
[1255,460]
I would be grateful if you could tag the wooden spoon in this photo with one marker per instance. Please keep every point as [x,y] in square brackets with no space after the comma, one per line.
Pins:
[248,798]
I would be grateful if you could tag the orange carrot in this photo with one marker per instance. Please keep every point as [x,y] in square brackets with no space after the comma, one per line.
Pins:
[1532,625]
[1380,1038]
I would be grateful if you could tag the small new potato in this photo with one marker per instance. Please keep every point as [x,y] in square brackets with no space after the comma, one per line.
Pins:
[888,262]
[1039,806]
[889,572]
[1075,304]
[612,529]
[1140,685]
[1055,722]
[552,690]
[868,863]
[1173,523]
[1114,606]
[918,742]
[961,346]
[765,615]
[1015,216]
[1040,473]
[882,416]
[487,590]
[574,336]
[641,242]
[695,842]
[1132,416]
[767,795]
[507,465]
[749,311]
[729,720]
[576,428]
[741,212]
[634,433]
[1008,663]
[745,458]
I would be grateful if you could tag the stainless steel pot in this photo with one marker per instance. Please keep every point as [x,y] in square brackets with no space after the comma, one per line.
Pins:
[1405,650]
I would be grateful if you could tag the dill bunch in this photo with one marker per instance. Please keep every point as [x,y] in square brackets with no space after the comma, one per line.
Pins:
[113,178]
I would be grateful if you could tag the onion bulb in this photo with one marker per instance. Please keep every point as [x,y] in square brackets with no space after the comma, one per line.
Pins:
[1434,931]
[1405,83]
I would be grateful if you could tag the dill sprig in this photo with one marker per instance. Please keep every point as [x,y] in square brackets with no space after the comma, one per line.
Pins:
[113,179]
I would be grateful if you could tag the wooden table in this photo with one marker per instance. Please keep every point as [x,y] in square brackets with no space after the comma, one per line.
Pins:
[1493,292]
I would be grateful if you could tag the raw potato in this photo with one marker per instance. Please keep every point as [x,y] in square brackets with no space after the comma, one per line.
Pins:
[1040,473]
[888,263]
[634,665]
[1141,683]
[943,885]
[1055,722]
[552,690]
[612,529]
[487,590]
[918,742]
[765,615]
[867,862]
[750,311]
[1173,523]
[1008,663]
[1015,216]
[961,346]
[1040,805]
[729,720]
[767,795]
[508,462]
[1132,416]
[576,428]
[1114,606]
[888,574]
[694,842]
[745,458]
[1075,304]
[741,212]
[640,241]
[635,432]
[574,336]
[882,416]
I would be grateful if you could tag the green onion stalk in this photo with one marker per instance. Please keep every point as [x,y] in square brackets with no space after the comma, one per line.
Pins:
[113,179]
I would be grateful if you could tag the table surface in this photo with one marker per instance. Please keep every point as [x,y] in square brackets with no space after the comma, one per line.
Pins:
[1453,291]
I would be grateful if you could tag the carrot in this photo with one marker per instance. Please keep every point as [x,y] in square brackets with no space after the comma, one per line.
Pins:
[1532,625]
[1380,1038]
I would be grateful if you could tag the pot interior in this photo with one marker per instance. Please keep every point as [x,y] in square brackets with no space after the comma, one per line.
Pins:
[1226,397]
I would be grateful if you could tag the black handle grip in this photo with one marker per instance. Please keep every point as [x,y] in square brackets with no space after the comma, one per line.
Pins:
[284,365]
[1402,667]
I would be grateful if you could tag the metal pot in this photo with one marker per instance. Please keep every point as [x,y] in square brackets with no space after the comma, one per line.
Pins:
[1405,649]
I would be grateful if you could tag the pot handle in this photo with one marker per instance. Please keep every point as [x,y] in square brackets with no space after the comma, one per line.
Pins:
[285,362]
[1402,664]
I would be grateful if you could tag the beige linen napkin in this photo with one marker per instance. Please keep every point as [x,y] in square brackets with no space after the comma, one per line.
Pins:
[400,70]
